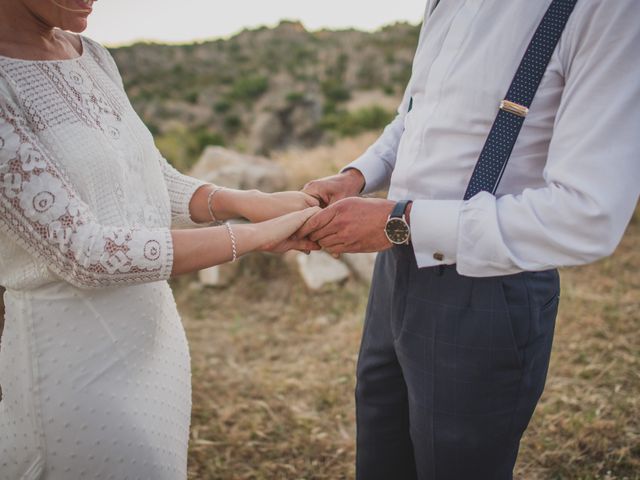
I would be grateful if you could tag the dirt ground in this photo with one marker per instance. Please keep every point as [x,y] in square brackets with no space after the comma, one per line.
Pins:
[273,375]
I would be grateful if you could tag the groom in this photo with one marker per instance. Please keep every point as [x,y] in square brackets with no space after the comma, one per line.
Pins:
[461,314]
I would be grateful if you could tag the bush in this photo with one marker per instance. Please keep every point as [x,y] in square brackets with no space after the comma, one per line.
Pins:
[153,128]
[232,123]
[369,74]
[339,69]
[352,123]
[335,91]
[222,106]
[183,147]
[402,77]
[389,90]
[250,87]
[203,139]
[191,97]
[295,97]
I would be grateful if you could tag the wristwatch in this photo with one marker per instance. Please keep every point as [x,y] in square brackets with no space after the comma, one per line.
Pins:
[397,229]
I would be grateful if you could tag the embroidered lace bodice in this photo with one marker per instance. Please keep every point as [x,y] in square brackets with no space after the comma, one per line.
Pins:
[85,196]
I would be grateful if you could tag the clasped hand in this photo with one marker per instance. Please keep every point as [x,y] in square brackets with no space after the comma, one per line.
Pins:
[348,223]
[295,220]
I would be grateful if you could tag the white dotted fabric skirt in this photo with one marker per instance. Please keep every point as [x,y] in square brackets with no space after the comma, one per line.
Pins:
[96,385]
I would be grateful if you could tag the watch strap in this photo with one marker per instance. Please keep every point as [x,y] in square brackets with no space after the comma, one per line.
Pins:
[398,210]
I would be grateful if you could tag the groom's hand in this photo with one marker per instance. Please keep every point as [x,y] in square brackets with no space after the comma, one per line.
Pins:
[352,225]
[329,190]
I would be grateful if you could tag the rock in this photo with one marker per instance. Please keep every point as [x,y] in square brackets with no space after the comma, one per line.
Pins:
[361,264]
[267,133]
[218,276]
[285,122]
[235,170]
[1,312]
[320,268]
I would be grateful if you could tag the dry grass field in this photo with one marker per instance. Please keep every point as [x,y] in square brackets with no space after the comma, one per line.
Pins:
[273,372]
[274,368]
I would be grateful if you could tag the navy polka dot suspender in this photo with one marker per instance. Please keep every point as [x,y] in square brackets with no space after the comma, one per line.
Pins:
[514,108]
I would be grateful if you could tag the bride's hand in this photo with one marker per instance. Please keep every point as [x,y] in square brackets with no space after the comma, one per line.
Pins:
[276,235]
[259,206]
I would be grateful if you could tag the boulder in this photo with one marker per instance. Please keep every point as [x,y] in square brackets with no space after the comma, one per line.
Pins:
[285,122]
[320,268]
[267,133]
[218,276]
[1,324]
[361,264]
[234,170]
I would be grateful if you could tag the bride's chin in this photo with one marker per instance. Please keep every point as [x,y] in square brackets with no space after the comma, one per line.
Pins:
[76,26]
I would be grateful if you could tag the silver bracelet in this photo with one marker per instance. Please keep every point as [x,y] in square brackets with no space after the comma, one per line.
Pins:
[209,199]
[234,247]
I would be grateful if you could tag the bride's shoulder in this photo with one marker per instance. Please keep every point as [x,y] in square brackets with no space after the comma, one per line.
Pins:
[101,56]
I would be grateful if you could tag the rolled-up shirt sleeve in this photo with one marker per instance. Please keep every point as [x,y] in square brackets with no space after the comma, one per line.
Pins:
[592,173]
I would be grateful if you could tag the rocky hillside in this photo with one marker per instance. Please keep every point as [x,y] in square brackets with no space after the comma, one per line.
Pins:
[267,89]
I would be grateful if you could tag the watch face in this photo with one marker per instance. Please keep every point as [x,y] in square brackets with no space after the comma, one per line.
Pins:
[397,231]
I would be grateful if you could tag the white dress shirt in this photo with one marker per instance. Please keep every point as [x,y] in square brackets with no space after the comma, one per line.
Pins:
[573,180]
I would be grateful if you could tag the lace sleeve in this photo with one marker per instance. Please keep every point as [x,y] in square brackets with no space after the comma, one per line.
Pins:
[40,211]
[181,189]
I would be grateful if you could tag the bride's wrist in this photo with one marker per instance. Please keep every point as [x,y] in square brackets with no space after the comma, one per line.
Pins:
[248,203]
[247,238]
[228,203]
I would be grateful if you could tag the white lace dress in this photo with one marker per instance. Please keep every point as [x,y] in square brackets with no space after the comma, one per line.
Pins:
[94,364]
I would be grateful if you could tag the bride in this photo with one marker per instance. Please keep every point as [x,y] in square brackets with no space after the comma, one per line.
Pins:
[94,364]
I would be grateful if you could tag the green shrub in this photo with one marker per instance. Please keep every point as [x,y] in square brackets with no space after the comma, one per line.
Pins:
[232,123]
[205,138]
[335,91]
[339,69]
[389,89]
[369,74]
[250,87]
[222,106]
[191,97]
[352,123]
[153,128]
[402,77]
[295,97]
[183,147]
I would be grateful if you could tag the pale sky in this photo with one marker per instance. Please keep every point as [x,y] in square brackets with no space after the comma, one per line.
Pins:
[117,22]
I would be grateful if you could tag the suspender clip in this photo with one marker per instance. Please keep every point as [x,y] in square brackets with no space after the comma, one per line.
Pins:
[514,108]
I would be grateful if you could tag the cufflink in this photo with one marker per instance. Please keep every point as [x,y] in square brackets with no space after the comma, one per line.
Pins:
[438,256]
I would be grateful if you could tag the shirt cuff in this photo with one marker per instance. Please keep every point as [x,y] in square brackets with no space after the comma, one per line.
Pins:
[434,231]
[373,171]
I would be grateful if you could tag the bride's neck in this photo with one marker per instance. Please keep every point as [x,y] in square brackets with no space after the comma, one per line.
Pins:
[20,27]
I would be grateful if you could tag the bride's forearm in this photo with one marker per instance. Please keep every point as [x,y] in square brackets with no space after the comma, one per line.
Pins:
[226,203]
[201,248]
